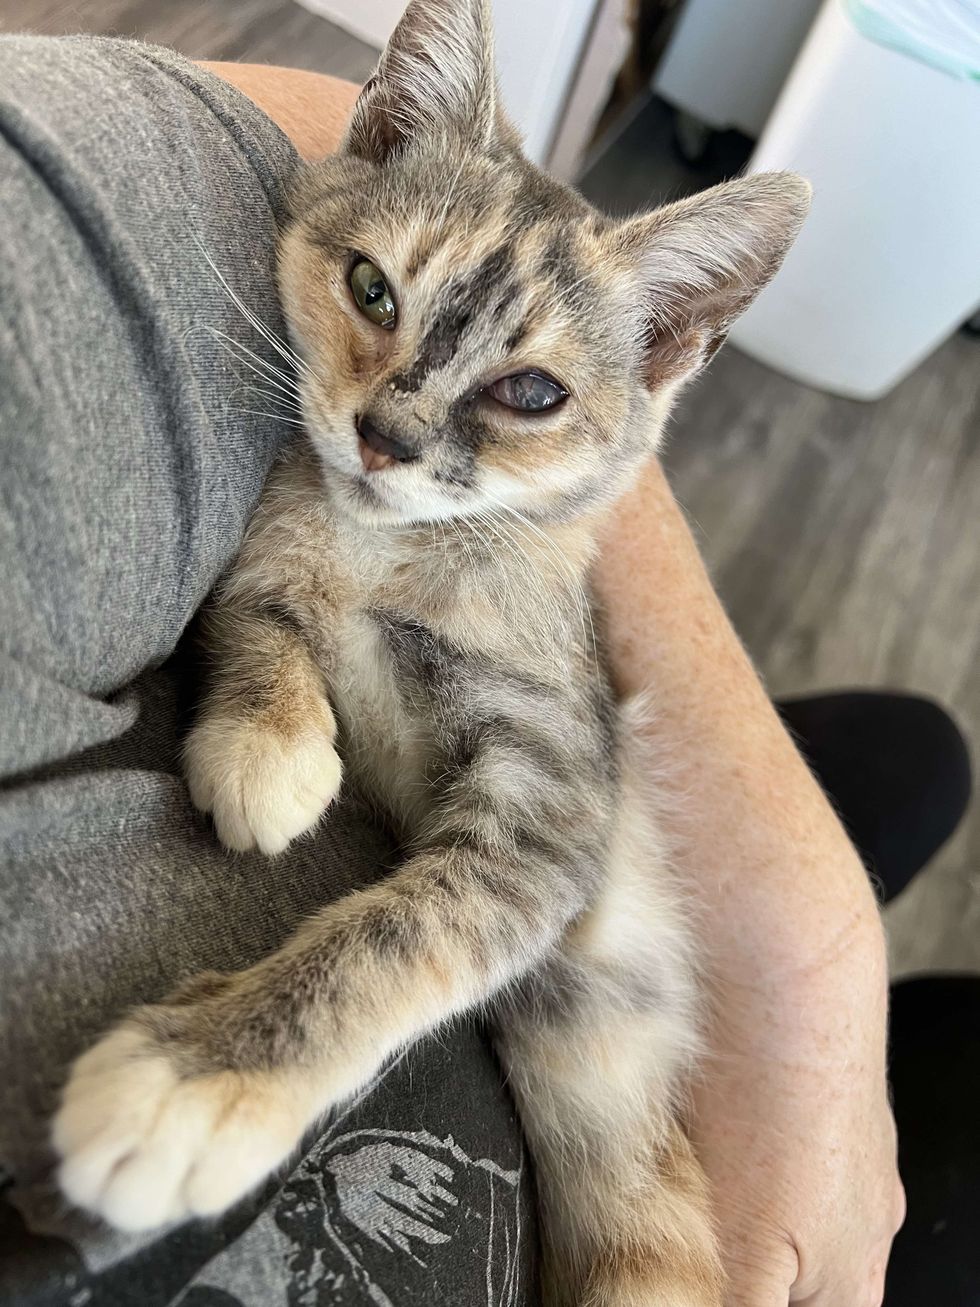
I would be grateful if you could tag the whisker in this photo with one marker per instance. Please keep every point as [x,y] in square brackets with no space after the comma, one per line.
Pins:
[277,344]
[564,567]
[263,413]
[232,345]
[528,566]
[275,397]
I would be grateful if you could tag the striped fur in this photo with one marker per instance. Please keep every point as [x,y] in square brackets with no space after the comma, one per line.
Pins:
[428,623]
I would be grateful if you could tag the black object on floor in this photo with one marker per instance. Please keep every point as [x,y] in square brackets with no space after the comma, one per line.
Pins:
[935,1074]
[897,770]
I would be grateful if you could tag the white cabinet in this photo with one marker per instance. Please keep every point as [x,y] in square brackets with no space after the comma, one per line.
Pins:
[540,46]
[888,263]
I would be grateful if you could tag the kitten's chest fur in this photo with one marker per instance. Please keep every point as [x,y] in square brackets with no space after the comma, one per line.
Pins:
[388,741]
[423,634]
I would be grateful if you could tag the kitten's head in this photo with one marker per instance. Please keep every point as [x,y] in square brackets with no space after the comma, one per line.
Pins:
[475,333]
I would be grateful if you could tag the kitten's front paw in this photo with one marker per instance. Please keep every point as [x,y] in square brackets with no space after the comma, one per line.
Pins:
[145,1143]
[262,788]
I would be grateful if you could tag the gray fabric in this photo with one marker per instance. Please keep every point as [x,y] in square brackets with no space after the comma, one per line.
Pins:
[128,468]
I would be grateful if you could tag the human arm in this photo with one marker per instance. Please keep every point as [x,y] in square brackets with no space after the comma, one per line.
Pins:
[311,108]
[793,1121]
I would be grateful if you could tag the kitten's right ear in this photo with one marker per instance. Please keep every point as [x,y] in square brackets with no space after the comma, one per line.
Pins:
[693,266]
[435,81]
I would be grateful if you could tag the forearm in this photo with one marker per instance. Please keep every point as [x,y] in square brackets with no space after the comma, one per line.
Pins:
[311,108]
[780,886]
[791,1117]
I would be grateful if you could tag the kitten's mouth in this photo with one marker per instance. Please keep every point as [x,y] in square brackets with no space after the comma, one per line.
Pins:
[367,500]
[365,490]
[367,495]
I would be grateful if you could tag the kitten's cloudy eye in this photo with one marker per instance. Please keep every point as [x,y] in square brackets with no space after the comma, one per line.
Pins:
[528,392]
[371,293]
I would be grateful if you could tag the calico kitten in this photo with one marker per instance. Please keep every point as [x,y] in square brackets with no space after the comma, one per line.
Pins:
[486,362]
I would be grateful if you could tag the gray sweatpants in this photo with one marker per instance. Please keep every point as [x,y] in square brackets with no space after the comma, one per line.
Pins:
[132,451]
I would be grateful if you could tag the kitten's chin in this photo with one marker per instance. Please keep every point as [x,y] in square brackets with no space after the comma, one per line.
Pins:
[369,503]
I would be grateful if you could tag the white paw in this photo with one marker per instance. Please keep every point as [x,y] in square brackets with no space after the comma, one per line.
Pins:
[142,1147]
[263,790]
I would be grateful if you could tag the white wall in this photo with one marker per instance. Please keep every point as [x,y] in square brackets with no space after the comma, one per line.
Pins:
[371,20]
[538,48]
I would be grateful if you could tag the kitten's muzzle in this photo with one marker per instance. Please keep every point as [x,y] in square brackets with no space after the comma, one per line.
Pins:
[378,449]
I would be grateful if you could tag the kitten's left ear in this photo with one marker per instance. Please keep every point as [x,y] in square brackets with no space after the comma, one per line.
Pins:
[692,267]
[435,81]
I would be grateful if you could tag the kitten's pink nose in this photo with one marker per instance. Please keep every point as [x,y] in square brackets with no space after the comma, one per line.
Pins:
[370,458]
[378,450]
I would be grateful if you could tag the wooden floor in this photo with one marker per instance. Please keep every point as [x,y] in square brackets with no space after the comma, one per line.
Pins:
[845,540]
[248,31]
[843,537]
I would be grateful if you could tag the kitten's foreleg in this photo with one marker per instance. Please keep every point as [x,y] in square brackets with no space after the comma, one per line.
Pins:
[624,1205]
[261,755]
[185,1106]
[598,1048]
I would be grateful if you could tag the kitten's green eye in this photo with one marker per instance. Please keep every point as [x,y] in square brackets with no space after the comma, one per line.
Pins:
[371,293]
[528,392]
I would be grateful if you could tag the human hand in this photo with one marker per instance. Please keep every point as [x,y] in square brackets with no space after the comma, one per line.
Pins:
[796,1133]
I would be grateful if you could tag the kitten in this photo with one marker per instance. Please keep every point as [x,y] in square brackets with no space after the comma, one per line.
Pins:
[486,362]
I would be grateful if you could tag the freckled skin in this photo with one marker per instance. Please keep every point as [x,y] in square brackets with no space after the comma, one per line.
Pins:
[430,612]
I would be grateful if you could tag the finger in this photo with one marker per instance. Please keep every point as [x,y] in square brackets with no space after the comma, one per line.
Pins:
[877,1288]
[768,1291]
[761,1277]
[859,1289]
